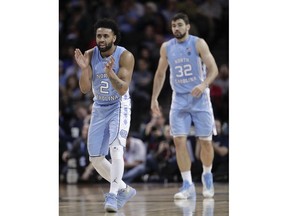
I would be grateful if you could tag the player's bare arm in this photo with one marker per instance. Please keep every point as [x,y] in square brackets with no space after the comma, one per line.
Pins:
[83,61]
[209,61]
[159,79]
[122,81]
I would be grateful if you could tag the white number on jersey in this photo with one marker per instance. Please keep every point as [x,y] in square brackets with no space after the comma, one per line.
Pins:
[185,70]
[104,87]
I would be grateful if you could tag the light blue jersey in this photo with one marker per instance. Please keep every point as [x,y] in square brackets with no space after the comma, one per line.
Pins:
[186,67]
[111,112]
[104,93]
[186,72]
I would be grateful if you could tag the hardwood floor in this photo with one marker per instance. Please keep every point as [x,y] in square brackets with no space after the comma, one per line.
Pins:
[151,200]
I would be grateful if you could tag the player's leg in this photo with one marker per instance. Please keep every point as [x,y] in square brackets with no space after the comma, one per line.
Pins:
[206,156]
[98,145]
[183,157]
[116,173]
[204,128]
[118,130]
[180,126]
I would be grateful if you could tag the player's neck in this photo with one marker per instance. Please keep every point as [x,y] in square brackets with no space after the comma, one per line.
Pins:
[108,52]
[182,39]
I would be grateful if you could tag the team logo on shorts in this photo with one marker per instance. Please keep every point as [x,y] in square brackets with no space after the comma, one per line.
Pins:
[123,133]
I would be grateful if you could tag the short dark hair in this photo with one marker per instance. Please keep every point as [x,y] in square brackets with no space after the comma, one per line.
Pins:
[110,24]
[181,16]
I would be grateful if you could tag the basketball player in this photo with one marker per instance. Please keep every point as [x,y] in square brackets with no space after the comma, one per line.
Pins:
[107,70]
[187,57]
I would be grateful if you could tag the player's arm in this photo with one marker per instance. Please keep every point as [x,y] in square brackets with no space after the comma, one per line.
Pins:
[85,81]
[212,70]
[208,60]
[159,79]
[122,81]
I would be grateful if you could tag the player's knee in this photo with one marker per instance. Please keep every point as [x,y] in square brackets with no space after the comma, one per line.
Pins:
[96,161]
[116,150]
[180,142]
[206,143]
[206,138]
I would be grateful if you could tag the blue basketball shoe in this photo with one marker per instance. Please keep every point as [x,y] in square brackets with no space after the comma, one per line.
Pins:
[187,191]
[110,202]
[208,187]
[125,195]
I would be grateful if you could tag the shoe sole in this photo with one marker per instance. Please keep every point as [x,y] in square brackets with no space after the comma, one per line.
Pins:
[110,208]
[130,197]
[208,195]
[183,198]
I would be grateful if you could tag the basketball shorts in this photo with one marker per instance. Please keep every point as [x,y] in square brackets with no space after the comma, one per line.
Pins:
[107,124]
[187,110]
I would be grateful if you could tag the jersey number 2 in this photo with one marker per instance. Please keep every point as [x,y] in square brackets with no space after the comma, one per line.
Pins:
[104,87]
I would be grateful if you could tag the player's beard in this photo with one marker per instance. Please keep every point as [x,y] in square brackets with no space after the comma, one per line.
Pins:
[105,48]
[178,35]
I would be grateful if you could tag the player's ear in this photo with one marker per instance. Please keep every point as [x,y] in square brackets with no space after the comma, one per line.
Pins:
[114,38]
[188,27]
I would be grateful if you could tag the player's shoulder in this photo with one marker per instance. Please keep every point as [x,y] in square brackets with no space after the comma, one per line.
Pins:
[126,56]
[165,44]
[90,52]
[199,40]
[200,43]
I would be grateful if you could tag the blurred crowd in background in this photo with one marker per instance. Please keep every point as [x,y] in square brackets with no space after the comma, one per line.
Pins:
[144,25]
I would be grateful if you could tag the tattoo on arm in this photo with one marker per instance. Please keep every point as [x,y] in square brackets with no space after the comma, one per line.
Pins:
[116,83]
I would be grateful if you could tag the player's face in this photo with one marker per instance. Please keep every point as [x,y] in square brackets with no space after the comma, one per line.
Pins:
[105,39]
[179,28]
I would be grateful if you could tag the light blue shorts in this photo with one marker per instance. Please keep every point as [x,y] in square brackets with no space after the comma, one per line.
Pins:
[107,124]
[187,110]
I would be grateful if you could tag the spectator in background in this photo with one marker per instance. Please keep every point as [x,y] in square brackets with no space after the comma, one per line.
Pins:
[169,10]
[212,11]
[127,18]
[221,153]
[134,159]
[77,122]
[108,9]
[153,132]
[222,79]
[220,93]
[78,151]
[73,69]
[72,89]
[142,82]
[189,7]
[62,76]
[166,157]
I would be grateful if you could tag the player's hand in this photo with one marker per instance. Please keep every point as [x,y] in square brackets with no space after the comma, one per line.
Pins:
[198,90]
[155,108]
[109,65]
[82,60]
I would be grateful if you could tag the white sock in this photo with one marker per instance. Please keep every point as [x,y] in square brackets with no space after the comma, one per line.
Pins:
[117,170]
[117,166]
[207,169]
[103,167]
[186,176]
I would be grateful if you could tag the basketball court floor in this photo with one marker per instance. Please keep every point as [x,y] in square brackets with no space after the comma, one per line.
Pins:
[151,200]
